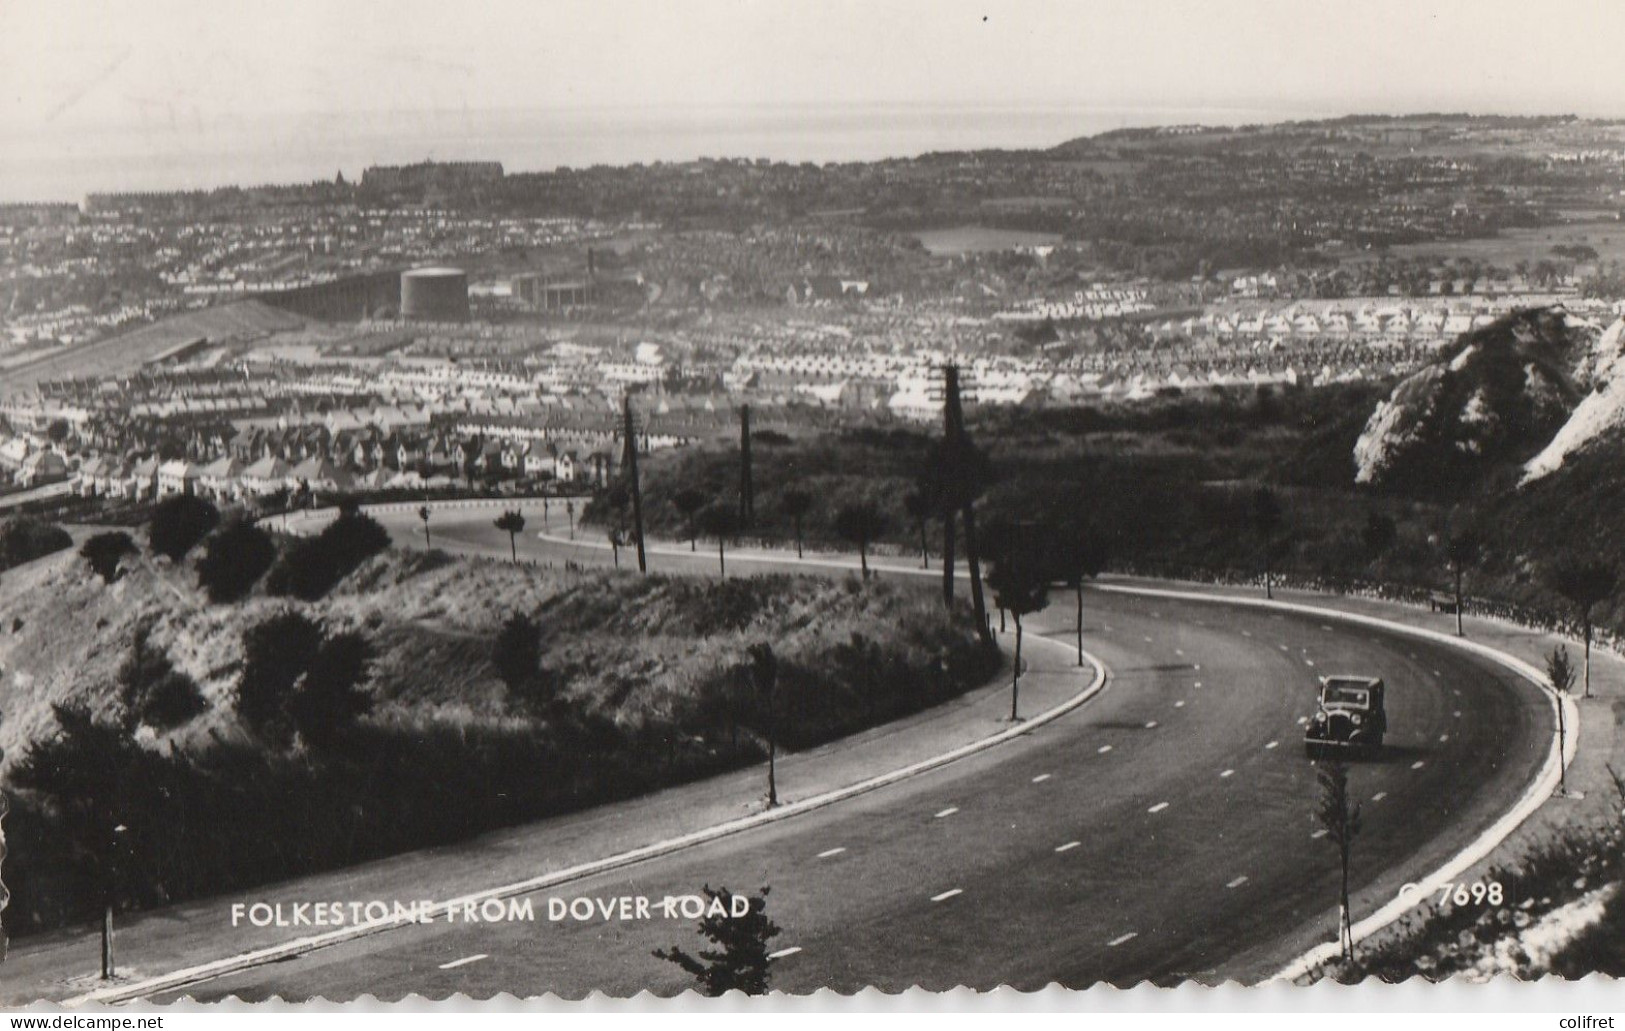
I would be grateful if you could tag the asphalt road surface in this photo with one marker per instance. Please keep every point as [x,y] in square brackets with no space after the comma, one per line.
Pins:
[1163,831]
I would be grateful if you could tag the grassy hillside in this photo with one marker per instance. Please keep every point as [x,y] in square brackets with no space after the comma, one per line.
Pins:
[638,686]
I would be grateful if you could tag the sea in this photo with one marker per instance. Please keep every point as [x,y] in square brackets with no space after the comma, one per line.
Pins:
[64,162]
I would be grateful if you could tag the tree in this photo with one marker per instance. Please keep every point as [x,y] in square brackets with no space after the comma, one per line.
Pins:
[860,523]
[796,505]
[763,670]
[720,521]
[512,523]
[1462,549]
[1560,674]
[1021,586]
[233,560]
[688,503]
[299,679]
[517,652]
[917,503]
[276,653]
[1379,534]
[1267,518]
[739,960]
[24,539]
[310,568]
[1585,585]
[179,523]
[1078,554]
[1341,820]
[104,552]
[423,514]
[329,699]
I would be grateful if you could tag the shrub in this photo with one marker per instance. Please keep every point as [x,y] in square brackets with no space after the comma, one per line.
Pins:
[105,551]
[234,558]
[329,698]
[179,523]
[311,567]
[297,679]
[23,539]
[276,653]
[153,691]
[517,651]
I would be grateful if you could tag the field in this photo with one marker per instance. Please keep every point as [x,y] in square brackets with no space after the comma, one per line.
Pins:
[980,239]
[1515,245]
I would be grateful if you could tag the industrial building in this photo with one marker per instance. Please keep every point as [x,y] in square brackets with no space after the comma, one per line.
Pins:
[551,296]
[435,295]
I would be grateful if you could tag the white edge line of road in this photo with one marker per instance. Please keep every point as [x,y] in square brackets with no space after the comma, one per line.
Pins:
[234,964]
[1539,790]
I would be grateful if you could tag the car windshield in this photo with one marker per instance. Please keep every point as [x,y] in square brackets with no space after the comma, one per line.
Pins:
[1346,694]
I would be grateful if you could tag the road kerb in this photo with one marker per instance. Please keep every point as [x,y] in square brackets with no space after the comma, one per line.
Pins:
[1540,788]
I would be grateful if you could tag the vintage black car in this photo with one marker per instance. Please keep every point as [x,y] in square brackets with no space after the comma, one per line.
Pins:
[1351,718]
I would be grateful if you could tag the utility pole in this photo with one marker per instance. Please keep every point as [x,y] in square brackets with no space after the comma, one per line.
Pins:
[111,888]
[747,490]
[632,477]
[960,459]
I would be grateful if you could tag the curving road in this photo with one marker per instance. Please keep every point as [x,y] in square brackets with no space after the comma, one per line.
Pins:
[1163,831]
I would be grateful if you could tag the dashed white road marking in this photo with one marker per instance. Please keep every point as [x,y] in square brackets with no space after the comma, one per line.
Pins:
[1103,749]
[1246,633]
[1159,807]
[1198,668]
[1457,714]
[1302,720]
[1041,778]
[948,894]
[1310,662]
[1150,724]
[1106,627]
[1418,764]
[1227,773]
[831,852]
[1069,846]
[1147,640]
[1179,704]
[465,961]
[1272,744]
[1179,651]
[1238,882]
[1379,796]
[791,951]
[948,812]
[1326,628]
[1120,939]
[1319,834]
[1284,647]
[1197,684]
[1443,738]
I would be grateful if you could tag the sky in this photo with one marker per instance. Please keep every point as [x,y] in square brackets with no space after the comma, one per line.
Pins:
[66,65]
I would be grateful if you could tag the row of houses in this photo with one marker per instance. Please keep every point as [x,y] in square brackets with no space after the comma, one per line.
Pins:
[232,479]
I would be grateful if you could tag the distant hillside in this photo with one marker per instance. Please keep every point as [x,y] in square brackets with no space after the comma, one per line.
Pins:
[1277,132]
